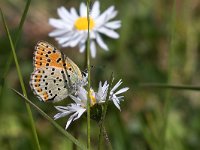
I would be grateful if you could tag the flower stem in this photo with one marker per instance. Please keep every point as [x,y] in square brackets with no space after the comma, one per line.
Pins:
[171,63]
[89,77]
[169,86]
[22,83]
[107,138]
[103,116]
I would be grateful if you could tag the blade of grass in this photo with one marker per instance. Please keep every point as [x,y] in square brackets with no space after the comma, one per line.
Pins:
[171,63]
[89,76]
[101,123]
[19,31]
[10,57]
[64,132]
[5,72]
[21,83]
[169,86]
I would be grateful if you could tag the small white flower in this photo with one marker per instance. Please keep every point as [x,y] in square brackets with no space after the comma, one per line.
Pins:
[71,28]
[114,95]
[75,109]
[80,106]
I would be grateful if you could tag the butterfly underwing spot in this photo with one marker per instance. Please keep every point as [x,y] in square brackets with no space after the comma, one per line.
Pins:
[58,60]
[48,85]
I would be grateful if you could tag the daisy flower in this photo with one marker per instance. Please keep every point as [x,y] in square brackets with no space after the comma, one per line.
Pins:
[71,28]
[75,110]
[114,95]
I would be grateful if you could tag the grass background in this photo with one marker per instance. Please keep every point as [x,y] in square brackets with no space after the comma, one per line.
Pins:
[159,43]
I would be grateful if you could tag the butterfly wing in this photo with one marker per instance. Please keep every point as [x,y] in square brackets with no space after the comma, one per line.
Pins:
[47,55]
[49,84]
[74,70]
[55,76]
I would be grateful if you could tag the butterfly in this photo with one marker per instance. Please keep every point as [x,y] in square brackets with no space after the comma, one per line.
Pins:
[55,76]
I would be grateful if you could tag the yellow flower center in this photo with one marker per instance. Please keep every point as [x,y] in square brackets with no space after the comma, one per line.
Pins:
[92,98]
[82,23]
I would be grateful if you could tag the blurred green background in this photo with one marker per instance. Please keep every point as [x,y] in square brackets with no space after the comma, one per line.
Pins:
[157,44]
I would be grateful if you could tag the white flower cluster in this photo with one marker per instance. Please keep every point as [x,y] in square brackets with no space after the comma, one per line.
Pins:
[70,30]
[75,110]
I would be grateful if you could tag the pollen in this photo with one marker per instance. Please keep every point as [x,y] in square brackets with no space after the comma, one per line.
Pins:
[82,23]
[92,97]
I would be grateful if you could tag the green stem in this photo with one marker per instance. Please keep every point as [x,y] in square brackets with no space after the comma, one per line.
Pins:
[107,138]
[22,84]
[19,31]
[89,76]
[169,86]
[171,61]
[5,72]
[101,123]
[64,132]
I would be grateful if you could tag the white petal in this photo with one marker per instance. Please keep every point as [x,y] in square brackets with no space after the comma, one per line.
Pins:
[98,98]
[95,10]
[84,38]
[66,44]
[108,32]
[57,32]
[81,48]
[106,16]
[75,116]
[105,85]
[68,36]
[57,23]
[80,112]
[76,41]
[74,13]
[64,111]
[113,24]
[92,34]
[69,121]
[100,87]
[102,92]
[61,108]
[115,101]
[83,10]
[93,49]
[120,98]
[70,41]
[64,14]
[111,15]
[122,90]
[82,94]
[107,12]
[76,99]
[116,85]
[60,115]
[101,42]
